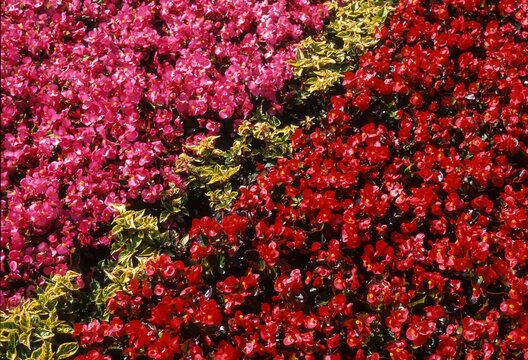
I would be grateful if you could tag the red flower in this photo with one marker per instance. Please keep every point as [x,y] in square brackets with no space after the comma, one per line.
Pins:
[199,251]
[227,352]
[397,351]
[420,330]
[440,12]
[208,313]
[472,329]
[159,351]
[396,320]
[376,154]
[351,237]
[268,253]
[233,225]
[333,342]
[193,274]
[452,182]
[512,308]
[362,102]
[206,226]
[416,100]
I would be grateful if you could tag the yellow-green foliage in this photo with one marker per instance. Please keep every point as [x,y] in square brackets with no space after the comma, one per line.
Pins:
[136,239]
[276,139]
[116,277]
[221,199]
[211,169]
[40,328]
[33,329]
[136,235]
[321,61]
[143,227]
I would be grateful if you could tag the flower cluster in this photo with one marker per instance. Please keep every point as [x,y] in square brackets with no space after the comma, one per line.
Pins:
[396,231]
[99,99]
[168,314]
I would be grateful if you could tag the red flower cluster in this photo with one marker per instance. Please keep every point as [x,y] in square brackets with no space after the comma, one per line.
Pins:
[98,99]
[170,314]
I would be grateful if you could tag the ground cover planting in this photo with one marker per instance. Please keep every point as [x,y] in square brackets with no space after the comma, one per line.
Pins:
[100,99]
[395,226]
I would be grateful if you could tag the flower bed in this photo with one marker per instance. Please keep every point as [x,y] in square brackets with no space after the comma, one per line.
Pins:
[99,99]
[396,231]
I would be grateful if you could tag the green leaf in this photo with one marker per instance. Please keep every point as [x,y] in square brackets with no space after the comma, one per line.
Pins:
[36,354]
[124,256]
[149,251]
[184,240]
[164,216]
[12,355]
[117,229]
[221,261]
[136,240]
[47,353]
[222,174]
[121,208]
[25,339]
[130,221]
[420,301]
[8,325]
[13,340]
[311,80]
[25,320]
[63,328]
[66,350]
[111,276]
[299,55]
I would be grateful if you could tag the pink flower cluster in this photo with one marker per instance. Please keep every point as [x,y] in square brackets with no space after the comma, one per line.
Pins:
[98,99]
